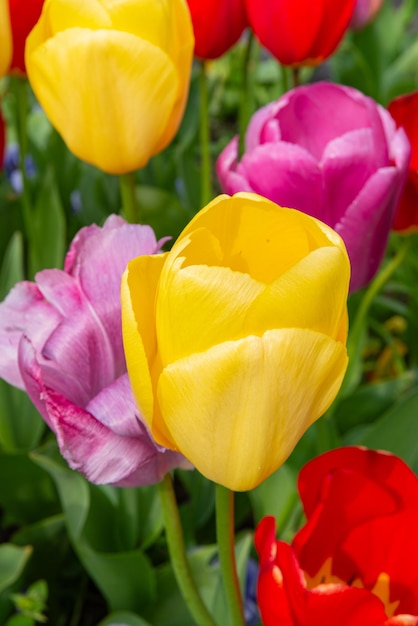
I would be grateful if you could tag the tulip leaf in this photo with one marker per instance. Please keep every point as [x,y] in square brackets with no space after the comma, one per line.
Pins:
[12,562]
[47,237]
[12,270]
[21,426]
[161,210]
[395,431]
[123,619]
[277,496]
[125,578]
[27,493]
[369,402]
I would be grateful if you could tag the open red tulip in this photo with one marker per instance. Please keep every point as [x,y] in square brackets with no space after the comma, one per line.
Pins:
[354,562]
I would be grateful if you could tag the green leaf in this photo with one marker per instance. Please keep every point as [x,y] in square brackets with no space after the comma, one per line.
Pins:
[277,496]
[126,579]
[12,267]
[47,237]
[27,493]
[162,210]
[21,426]
[123,619]
[396,431]
[20,620]
[12,562]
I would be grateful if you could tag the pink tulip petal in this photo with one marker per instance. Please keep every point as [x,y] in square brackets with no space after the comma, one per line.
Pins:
[79,348]
[254,135]
[317,114]
[91,447]
[231,182]
[286,174]
[366,224]
[23,311]
[347,163]
[109,248]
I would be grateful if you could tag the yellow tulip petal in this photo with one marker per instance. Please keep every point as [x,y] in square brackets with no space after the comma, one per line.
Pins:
[138,291]
[5,38]
[61,15]
[259,237]
[312,294]
[237,410]
[199,306]
[114,109]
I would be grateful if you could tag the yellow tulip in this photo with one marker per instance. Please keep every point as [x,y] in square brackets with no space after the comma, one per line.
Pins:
[5,37]
[235,339]
[112,77]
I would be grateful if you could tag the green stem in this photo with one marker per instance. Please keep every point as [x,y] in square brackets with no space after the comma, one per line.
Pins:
[206,188]
[129,203]
[181,567]
[245,96]
[226,540]
[22,113]
[296,76]
[285,78]
[357,329]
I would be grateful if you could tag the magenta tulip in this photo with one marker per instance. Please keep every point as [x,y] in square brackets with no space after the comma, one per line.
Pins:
[61,342]
[331,152]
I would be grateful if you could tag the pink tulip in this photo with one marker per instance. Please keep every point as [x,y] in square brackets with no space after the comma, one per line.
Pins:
[364,12]
[61,342]
[331,152]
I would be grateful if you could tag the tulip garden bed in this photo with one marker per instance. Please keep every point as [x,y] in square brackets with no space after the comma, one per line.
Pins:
[208,313]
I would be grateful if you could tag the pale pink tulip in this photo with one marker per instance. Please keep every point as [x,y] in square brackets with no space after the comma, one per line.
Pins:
[61,341]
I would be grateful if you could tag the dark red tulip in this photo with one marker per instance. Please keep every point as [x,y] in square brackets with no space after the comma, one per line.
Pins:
[23,16]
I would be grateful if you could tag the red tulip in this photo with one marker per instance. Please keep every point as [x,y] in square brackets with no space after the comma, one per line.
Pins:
[355,561]
[404,111]
[299,32]
[217,25]
[23,16]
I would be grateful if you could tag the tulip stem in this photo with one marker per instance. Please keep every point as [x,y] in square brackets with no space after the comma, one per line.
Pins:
[355,337]
[226,545]
[176,548]
[296,76]
[245,99]
[128,195]
[206,178]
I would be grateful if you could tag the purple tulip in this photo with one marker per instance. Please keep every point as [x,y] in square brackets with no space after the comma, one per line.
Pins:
[333,153]
[61,341]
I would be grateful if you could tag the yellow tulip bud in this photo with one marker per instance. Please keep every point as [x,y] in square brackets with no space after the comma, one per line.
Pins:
[235,339]
[5,38]
[112,77]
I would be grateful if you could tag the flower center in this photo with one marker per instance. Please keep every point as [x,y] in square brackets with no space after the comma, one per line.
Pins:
[381,588]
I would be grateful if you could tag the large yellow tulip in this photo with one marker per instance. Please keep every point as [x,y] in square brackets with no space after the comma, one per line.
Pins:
[5,37]
[112,77]
[235,339]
